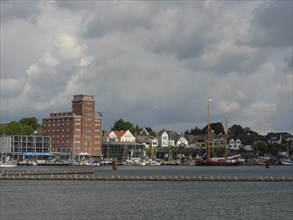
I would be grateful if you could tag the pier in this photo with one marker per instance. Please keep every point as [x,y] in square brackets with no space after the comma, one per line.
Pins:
[89,175]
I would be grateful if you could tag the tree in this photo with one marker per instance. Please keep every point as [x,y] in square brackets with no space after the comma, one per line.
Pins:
[2,130]
[218,128]
[121,125]
[150,152]
[33,122]
[14,128]
[136,130]
[247,130]
[261,146]
[28,130]
[193,131]
[236,129]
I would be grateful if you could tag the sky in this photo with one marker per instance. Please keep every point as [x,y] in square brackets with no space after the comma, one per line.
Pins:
[153,63]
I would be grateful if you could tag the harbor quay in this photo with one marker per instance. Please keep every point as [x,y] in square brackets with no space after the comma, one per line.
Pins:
[89,175]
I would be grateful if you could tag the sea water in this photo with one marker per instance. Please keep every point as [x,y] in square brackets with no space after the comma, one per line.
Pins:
[151,200]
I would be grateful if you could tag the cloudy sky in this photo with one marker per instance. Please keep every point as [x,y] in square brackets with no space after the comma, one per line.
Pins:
[153,63]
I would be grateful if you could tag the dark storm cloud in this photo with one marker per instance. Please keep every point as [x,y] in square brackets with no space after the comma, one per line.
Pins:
[118,17]
[272,25]
[19,10]
[77,5]
[289,63]
[185,32]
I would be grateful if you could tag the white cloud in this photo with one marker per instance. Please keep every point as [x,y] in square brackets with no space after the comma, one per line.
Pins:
[10,87]
[48,59]
[86,61]
[154,64]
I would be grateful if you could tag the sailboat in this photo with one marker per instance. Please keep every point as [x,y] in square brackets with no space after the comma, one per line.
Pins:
[216,161]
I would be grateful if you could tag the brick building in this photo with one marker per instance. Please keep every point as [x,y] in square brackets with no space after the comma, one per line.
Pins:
[76,132]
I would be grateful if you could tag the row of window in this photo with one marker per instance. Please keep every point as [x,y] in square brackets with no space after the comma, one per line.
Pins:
[58,130]
[22,150]
[30,146]
[31,139]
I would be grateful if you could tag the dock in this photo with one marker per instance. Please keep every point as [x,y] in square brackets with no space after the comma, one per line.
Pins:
[89,175]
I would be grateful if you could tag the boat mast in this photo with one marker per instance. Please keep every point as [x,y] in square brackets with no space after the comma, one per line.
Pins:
[226,137]
[209,132]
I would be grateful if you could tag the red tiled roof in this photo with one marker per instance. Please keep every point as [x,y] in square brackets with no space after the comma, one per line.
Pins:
[119,134]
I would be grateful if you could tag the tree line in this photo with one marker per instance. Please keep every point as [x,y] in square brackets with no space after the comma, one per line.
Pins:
[217,128]
[27,126]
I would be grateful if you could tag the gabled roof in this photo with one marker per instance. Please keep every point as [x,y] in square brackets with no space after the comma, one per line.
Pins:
[172,134]
[195,138]
[119,134]
[246,139]
[144,130]
[145,139]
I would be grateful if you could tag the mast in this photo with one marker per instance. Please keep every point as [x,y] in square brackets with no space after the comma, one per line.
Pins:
[226,137]
[209,132]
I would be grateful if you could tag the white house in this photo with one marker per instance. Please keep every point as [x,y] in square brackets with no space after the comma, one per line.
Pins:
[155,142]
[235,144]
[274,138]
[121,136]
[182,141]
[245,142]
[166,138]
[127,137]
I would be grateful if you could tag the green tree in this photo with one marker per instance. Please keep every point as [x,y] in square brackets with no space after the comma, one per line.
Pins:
[2,130]
[28,130]
[218,128]
[261,146]
[247,130]
[236,129]
[14,128]
[121,125]
[150,152]
[136,130]
[33,122]
[193,131]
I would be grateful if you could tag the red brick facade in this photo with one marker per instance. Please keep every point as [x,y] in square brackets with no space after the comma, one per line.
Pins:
[77,131]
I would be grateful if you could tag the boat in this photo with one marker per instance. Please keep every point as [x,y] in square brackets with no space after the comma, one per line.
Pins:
[216,161]
[135,162]
[8,163]
[287,162]
[153,162]
[31,163]
[171,163]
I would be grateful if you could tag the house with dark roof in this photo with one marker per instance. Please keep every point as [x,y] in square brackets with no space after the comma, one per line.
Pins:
[242,141]
[274,138]
[167,138]
[147,140]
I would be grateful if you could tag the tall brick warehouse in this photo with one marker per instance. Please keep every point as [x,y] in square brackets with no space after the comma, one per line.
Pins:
[78,131]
